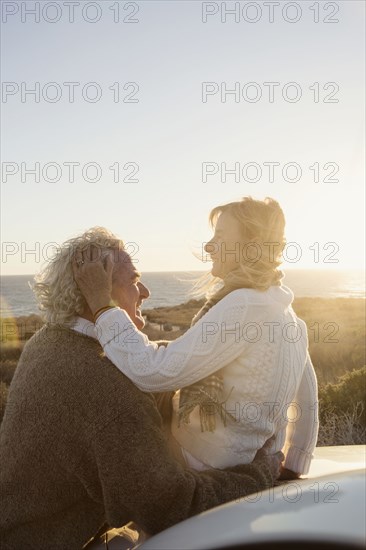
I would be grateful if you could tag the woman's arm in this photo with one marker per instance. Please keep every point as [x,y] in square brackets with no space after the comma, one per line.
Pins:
[212,343]
[301,435]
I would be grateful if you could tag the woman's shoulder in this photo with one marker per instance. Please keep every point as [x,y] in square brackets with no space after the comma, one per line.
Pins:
[276,296]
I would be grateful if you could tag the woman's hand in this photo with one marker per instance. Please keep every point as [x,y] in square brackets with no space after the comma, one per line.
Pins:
[94,277]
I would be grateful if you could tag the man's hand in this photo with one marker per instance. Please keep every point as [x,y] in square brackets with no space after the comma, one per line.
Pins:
[288,475]
[94,277]
[274,461]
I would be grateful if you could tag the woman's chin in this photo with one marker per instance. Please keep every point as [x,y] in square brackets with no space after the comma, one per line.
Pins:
[215,271]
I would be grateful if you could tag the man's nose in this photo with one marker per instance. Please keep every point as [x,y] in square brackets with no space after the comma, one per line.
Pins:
[144,291]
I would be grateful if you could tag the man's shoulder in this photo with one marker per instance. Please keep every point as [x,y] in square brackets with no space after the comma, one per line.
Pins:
[73,368]
[52,337]
[58,354]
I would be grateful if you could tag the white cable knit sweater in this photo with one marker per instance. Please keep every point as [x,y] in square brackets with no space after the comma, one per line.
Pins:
[260,347]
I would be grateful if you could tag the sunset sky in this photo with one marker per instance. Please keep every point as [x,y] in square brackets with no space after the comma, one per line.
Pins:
[171,128]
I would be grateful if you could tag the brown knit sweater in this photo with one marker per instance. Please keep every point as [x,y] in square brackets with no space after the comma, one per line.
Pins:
[80,445]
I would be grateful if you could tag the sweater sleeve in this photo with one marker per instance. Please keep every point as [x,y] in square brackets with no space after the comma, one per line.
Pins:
[139,478]
[302,434]
[212,343]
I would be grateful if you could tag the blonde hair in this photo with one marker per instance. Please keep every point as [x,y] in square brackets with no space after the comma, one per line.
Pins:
[262,226]
[57,293]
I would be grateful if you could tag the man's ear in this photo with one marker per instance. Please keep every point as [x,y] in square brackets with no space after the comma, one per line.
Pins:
[108,264]
[110,254]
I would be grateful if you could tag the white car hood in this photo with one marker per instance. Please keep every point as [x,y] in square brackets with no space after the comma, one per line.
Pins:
[319,507]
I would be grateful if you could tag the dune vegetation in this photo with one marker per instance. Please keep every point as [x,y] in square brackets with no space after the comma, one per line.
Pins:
[336,330]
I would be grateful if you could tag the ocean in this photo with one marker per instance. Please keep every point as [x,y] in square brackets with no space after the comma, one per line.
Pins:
[172,288]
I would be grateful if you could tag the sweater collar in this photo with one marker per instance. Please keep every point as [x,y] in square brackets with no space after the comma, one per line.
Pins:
[85,327]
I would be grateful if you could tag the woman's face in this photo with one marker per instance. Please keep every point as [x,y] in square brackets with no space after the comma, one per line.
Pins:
[225,246]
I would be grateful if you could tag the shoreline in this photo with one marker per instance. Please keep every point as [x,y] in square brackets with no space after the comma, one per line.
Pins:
[336,328]
[5,314]
[182,314]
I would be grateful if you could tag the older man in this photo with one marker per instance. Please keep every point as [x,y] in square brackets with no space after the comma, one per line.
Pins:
[81,447]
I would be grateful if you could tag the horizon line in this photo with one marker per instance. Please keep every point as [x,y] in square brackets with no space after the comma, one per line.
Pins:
[350,268]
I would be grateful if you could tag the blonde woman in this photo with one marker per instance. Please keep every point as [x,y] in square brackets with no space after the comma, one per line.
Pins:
[244,367]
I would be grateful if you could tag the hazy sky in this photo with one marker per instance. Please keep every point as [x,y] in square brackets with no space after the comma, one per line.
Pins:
[148,81]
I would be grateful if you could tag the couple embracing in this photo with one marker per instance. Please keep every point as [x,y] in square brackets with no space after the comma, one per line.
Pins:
[104,427]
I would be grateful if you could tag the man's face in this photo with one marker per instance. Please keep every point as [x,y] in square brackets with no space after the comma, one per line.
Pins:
[127,291]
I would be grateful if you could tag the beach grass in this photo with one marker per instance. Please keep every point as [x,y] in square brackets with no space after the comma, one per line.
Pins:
[336,331]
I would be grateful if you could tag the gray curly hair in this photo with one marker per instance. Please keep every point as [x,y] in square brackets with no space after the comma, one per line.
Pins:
[57,293]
